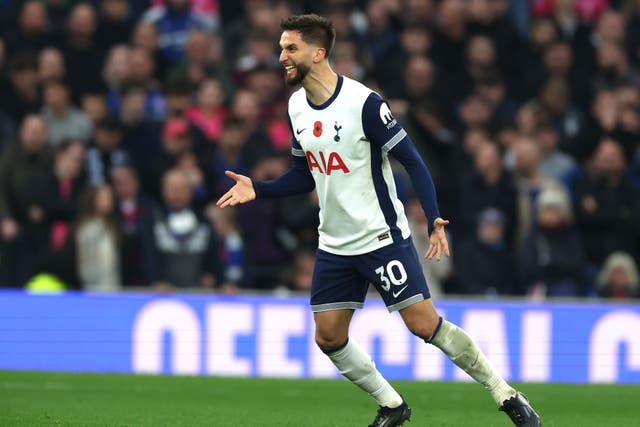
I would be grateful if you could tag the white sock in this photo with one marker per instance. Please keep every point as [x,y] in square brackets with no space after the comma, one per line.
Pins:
[463,351]
[358,367]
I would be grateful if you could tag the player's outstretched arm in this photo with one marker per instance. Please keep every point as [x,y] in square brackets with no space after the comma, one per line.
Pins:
[438,243]
[241,192]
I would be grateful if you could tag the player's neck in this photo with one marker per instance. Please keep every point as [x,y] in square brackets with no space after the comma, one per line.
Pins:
[320,84]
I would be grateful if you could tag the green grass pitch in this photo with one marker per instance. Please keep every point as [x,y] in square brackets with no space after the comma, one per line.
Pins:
[101,400]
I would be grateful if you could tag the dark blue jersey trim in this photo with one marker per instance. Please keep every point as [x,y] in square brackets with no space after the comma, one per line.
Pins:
[331,99]
[382,191]
[405,152]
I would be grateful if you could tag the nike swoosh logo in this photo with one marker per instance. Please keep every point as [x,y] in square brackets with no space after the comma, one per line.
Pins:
[298,132]
[396,294]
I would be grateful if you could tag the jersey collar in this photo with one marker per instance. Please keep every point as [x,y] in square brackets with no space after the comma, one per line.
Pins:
[328,102]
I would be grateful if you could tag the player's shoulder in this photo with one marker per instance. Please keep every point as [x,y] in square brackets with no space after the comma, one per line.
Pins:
[355,89]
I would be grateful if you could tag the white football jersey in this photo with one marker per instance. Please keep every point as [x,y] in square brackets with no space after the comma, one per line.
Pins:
[346,142]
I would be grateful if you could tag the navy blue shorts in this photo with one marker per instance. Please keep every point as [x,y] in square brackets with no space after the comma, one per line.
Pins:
[341,282]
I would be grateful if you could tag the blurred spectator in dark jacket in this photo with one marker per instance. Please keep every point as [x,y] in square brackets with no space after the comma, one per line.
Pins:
[97,237]
[614,112]
[134,214]
[484,262]
[115,68]
[83,55]
[230,247]
[300,275]
[61,190]
[256,15]
[345,61]
[494,89]
[260,53]
[480,64]
[267,246]
[32,32]
[140,70]
[94,106]
[618,278]
[51,65]
[299,218]
[229,153]
[141,137]
[204,59]
[64,120]
[60,194]
[543,34]
[180,151]
[552,260]
[488,185]
[115,24]
[607,206]
[555,102]
[613,67]
[178,96]
[23,167]
[246,108]
[106,151]
[450,36]
[145,36]
[174,21]
[184,245]
[418,84]
[22,95]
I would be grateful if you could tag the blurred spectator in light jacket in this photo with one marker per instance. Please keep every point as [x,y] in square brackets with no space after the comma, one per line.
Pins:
[183,243]
[97,241]
[619,277]
[552,257]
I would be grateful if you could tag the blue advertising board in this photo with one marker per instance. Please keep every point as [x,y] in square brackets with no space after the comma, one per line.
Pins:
[273,337]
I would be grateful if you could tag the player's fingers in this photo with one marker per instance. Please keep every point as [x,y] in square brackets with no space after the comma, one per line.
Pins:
[234,176]
[228,198]
[430,251]
[223,199]
[446,248]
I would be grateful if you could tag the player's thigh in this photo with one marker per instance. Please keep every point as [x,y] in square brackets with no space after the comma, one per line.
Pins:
[336,284]
[396,273]
[332,328]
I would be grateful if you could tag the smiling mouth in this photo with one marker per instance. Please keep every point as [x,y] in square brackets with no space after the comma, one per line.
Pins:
[290,69]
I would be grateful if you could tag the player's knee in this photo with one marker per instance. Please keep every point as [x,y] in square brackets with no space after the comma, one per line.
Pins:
[422,327]
[328,340]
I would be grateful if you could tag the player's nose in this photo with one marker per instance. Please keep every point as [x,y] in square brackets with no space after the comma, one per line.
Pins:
[283,57]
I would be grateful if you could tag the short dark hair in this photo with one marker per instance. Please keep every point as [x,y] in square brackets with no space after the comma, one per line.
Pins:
[109,124]
[314,29]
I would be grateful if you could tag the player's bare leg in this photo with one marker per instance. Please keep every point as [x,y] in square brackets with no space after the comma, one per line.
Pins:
[423,320]
[332,336]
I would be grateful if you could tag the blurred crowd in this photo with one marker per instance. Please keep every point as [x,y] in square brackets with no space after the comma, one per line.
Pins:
[118,119]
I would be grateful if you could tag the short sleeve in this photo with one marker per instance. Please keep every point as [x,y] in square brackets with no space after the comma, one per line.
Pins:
[379,125]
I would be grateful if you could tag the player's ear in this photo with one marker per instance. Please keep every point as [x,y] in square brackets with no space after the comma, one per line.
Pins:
[320,54]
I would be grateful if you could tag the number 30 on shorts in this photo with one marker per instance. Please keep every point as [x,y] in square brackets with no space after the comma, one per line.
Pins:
[394,273]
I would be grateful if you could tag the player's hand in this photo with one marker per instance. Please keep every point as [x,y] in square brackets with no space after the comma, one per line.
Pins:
[241,192]
[438,240]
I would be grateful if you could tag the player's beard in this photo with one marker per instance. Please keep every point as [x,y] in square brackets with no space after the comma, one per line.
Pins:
[301,72]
